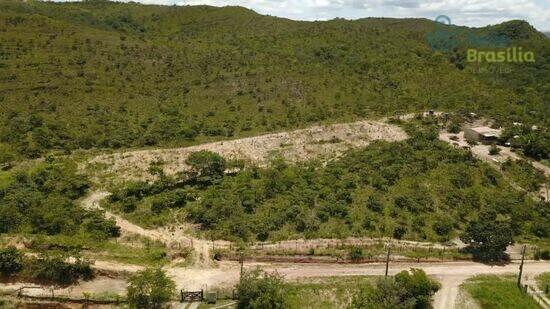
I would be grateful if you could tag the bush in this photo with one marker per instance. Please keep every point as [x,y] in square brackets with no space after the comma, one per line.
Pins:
[454,127]
[54,269]
[150,288]
[356,254]
[399,232]
[385,295]
[258,289]
[129,204]
[542,255]
[417,286]
[494,150]
[11,261]
[406,290]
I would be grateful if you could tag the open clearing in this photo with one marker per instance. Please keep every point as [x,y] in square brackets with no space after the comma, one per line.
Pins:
[322,141]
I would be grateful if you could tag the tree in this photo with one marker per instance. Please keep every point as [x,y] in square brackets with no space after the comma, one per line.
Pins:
[150,288]
[11,261]
[258,289]
[488,237]
[205,166]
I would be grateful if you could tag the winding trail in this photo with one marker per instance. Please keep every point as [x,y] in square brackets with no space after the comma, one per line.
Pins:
[171,238]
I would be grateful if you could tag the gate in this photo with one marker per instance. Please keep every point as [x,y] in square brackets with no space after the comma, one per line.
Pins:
[191,296]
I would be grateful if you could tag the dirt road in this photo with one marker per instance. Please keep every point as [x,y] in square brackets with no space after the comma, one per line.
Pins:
[481,152]
[450,275]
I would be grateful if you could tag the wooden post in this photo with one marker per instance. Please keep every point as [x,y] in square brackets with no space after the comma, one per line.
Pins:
[521,266]
[241,260]
[388,261]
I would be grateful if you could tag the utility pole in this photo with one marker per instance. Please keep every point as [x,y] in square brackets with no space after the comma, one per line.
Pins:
[521,266]
[388,260]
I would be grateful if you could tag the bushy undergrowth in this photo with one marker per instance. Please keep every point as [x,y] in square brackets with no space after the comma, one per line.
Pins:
[42,200]
[57,268]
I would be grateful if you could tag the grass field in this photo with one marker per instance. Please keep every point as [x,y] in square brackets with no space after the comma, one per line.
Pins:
[332,292]
[136,251]
[498,292]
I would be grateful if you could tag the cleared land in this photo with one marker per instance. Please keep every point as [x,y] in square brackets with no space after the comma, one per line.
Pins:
[314,142]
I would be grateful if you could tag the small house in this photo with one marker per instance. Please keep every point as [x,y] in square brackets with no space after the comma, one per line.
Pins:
[484,135]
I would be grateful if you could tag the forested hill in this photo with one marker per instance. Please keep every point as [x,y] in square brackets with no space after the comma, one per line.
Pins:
[101,74]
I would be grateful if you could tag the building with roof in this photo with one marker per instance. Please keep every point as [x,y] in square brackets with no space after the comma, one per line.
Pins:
[483,135]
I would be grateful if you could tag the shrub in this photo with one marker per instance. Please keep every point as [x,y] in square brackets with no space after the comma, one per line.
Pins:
[356,254]
[454,127]
[11,261]
[385,295]
[258,289]
[417,286]
[129,204]
[406,290]
[399,232]
[150,288]
[494,150]
[55,269]
[542,255]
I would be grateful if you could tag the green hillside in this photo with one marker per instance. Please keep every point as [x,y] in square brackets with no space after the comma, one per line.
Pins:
[110,75]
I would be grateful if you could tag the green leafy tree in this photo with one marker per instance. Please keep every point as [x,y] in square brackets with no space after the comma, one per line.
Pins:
[205,166]
[150,288]
[488,237]
[258,289]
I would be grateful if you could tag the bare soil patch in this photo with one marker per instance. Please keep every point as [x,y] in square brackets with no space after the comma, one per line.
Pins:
[323,141]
